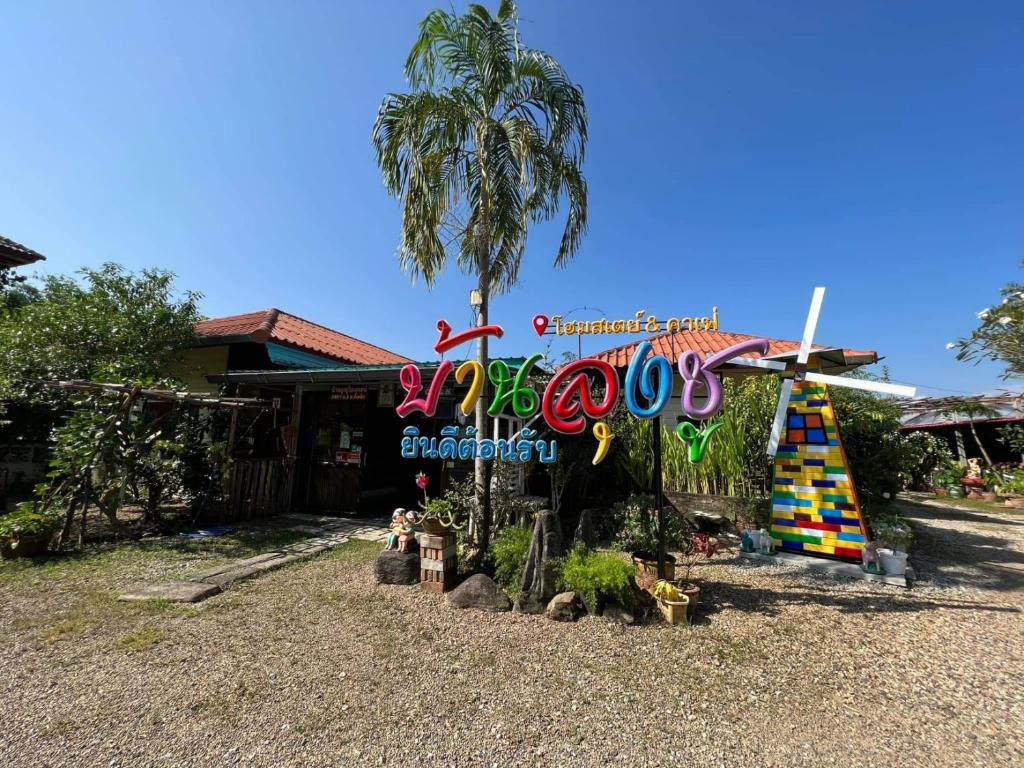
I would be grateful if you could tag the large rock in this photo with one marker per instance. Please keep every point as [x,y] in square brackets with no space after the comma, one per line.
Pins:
[586,534]
[394,567]
[480,592]
[565,606]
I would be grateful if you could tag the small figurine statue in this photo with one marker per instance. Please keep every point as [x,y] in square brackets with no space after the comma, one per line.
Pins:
[746,542]
[973,468]
[407,531]
[767,546]
[869,558]
[397,521]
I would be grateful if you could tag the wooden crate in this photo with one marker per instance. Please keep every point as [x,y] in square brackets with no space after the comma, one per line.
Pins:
[438,561]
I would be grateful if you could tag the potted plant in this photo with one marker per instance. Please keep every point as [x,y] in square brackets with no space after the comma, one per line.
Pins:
[701,547]
[637,535]
[438,515]
[27,530]
[672,603]
[1012,487]
[895,534]
[946,479]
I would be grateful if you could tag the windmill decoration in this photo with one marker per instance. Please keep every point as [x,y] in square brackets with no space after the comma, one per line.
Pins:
[814,503]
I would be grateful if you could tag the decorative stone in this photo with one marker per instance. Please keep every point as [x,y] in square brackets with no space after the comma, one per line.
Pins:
[172,591]
[394,567]
[479,591]
[585,533]
[538,584]
[617,614]
[565,606]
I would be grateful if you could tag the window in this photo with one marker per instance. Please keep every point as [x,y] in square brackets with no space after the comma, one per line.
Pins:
[805,429]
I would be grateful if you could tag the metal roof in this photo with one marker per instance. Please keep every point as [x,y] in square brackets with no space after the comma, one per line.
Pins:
[925,412]
[14,254]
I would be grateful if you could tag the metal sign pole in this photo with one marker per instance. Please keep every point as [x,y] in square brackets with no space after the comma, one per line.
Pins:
[658,502]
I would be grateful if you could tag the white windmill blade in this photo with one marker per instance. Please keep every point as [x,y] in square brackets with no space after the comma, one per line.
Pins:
[865,384]
[812,324]
[780,416]
[757,362]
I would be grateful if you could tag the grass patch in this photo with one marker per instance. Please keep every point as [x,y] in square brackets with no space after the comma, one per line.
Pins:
[354,552]
[65,630]
[141,639]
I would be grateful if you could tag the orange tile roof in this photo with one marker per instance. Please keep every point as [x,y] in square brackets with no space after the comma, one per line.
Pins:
[283,328]
[671,345]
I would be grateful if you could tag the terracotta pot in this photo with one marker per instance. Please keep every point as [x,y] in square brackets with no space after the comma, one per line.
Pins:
[1017,502]
[692,592]
[940,492]
[973,482]
[26,546]
[989,495]
[647,565]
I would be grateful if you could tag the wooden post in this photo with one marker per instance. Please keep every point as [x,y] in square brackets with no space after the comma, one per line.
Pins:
[291,463]
[659,502]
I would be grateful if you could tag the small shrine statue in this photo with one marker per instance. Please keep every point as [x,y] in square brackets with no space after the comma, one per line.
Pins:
[397,521]
[973,468]
[767,546]
[869,558]
[407,531]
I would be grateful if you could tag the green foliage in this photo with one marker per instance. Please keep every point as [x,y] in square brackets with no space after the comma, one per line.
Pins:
[489,141]
[1009,483]
[923,455]
[28,519]
[635,527]
[893,532]
[1012,436]
[599,578]
[509,552]
[948,472]
[113,326]
[1000,335]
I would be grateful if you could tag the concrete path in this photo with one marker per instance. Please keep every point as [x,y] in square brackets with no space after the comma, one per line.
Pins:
[326,532]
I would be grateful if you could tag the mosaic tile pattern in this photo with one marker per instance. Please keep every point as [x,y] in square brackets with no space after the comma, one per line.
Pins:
[814,505]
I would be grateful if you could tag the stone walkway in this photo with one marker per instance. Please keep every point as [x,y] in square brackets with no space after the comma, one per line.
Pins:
[325,532]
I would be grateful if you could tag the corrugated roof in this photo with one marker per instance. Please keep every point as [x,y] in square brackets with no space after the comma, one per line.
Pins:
[14,254]
[671,345]
[284,328]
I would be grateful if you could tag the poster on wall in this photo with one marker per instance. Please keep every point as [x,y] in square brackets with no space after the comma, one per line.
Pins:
[386,395]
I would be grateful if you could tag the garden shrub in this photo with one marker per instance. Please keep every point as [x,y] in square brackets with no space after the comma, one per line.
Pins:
[599,578]
[635,529]
[509,552]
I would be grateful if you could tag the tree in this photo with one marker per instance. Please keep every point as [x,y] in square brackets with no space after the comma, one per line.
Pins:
[1000,336]
[973,411]
[114,326]
[490,140]
[14,290]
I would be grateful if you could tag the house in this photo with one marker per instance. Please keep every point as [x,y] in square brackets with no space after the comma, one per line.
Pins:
[14,254]
[971,426]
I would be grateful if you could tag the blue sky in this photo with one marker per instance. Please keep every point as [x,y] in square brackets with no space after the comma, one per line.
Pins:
[740,154]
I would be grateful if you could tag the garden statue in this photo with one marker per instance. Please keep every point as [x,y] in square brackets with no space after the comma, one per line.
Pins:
[397,520]
[747,537]
[870,559]
[407,531]
[973,468]
[767,546]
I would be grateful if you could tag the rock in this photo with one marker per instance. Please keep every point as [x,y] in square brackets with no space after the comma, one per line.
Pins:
[479,591]
[394,567]
[618,615]
[565,606]
[172,591]
[585,533]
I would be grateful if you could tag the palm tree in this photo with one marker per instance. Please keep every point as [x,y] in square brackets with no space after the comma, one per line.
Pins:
[490,140]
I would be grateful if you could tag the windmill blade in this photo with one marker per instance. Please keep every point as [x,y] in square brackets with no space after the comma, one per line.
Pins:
[757,362]
[780,417]
[866,385]
[812,324]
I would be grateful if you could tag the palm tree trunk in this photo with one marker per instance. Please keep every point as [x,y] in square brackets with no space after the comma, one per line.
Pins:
[977,440]
[481,475]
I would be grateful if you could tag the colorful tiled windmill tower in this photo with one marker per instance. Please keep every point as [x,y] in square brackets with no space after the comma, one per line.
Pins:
[814,503]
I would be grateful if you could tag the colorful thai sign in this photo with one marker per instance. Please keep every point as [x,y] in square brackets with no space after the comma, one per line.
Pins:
[584,389]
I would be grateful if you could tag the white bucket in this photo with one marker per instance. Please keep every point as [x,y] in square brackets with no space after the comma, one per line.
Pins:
[893,563]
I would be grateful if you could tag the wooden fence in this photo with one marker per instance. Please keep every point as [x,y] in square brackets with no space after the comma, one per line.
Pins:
[259,488]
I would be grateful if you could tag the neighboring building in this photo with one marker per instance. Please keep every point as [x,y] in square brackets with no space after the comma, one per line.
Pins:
[14,254]
[273,340]
[957,420]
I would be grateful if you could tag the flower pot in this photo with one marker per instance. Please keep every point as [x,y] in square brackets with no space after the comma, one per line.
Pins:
[692,593]
[940,491]
[647,565]
[893,563]
[25,546]
[432,526]
[674,611]
[955,491]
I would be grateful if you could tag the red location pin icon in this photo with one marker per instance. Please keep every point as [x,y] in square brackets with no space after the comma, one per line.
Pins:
[540,324]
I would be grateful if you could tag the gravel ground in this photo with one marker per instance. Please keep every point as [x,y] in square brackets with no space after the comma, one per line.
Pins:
[314,665]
